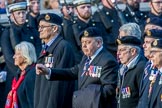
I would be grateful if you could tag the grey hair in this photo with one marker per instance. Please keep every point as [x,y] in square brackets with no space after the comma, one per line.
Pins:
[99,38]
[59,27]
[131,29]
[28,51]
[136,47]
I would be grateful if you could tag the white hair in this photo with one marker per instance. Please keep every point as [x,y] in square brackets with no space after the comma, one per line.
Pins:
[131,29]
[28,51]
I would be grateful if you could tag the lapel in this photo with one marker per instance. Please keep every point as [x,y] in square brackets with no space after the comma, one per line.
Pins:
[143,84]
[94,63]
[51,48]
[145,81]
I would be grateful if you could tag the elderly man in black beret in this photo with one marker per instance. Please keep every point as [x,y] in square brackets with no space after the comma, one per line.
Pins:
[96,73]
[155,99]
[150,71]
[56,53]
[153,23]
[130,72]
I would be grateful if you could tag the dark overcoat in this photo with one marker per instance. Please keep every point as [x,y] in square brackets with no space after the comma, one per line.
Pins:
[155,100]
[55,94]
[144,87]
[10,39]
[130,84]
[25,91]
[110,20]
[107,79]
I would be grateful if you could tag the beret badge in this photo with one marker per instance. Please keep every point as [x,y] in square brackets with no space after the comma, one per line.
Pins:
[119,41]
[148,33]
[47,17]
[86,33]
[155,42]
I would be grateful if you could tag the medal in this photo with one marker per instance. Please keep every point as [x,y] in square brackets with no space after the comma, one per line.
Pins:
[49,61]
[151,78]
[160,81]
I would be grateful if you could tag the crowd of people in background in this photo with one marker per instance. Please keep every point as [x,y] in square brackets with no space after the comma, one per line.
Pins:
[108,58]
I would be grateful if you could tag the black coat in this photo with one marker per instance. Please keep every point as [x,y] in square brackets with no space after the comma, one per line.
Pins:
[138,17]
[155,100]
[110,20]
[32,21]
[108,78]
[21,33]
[55,94]
[25,91]
[144,87]
[2,68]
[79,26]
[129,84]
[69,36]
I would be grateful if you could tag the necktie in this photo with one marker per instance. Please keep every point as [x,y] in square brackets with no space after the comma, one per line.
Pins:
[86,66]
[44,49]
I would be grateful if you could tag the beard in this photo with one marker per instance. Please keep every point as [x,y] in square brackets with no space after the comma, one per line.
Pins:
[135,6]
[85,16]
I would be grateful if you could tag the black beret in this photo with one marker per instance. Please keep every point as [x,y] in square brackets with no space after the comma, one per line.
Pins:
[51,18]
[153,33]
[90,32]
[128,40]
[155,21]
[157,43]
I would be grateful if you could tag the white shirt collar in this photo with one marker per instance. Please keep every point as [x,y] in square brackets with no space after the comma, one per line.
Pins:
[133,62]
[96,53]
[52,40]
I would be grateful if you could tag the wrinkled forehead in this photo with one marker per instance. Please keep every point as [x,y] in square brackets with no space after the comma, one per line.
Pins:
[123,46]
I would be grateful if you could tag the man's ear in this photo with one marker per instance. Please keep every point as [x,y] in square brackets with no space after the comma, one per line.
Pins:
[55,28]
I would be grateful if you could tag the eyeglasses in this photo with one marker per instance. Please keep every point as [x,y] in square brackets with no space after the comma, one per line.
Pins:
[42,27]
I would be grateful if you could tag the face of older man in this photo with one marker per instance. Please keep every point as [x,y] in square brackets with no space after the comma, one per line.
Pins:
[90,45]
[155,56]
[124,54]
[47,31]
[84,11]
[147,46]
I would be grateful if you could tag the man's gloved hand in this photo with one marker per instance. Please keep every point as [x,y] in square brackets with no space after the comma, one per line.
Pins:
[3,75]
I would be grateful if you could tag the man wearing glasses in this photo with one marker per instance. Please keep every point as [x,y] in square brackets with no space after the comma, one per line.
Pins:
[56,53]
[150,71]
[130,71]
[156,8]
[96,73]
[155,100]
